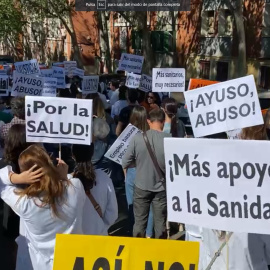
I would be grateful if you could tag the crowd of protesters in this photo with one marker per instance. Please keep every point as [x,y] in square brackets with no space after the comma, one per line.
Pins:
[76,194]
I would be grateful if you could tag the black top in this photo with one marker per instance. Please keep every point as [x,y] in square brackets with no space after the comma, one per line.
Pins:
[125,115]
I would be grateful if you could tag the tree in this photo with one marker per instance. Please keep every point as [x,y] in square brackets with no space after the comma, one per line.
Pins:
[236,6]
[11,27]
[60,9]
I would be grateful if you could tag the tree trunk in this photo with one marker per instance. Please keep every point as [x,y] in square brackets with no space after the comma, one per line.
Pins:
[104,42]
[149,59]
[237,11]
[240,28]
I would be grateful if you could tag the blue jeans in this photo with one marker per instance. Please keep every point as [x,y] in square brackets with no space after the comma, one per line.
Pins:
[130,177]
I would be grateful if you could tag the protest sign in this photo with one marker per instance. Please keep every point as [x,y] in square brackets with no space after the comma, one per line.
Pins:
[219,184]
[58,64]
[224,106]
[198,83]
[90,84]
[133,80]
[234,134]
[4,85]
[58,120]
[59,74]
[83,252]
[27,67]
[78,72]
[119,148]
[50,86]
[168,80]
[131,63]
[48,73]
[69,67]
[146,83]
[26,85]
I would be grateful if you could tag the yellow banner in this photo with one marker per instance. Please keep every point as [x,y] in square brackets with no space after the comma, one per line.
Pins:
[85,252]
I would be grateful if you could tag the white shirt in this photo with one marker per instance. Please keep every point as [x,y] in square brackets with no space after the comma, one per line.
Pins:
[114,97]
[117,107]
[40,226]
[104,194]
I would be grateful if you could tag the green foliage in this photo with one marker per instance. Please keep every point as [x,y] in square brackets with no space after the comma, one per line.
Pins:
[11,18]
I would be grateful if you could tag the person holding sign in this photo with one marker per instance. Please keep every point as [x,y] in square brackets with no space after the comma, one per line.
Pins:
[101,210]
[49,204]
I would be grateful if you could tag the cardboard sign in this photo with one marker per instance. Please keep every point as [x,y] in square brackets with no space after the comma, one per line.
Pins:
[198,83]
[224,106]
[90,84]
[27,67]
[58,120]
[47,73]
[133,80]
[83,252]
[131,63]
[50,86]
[146,83]
[4,85]
[78,72]
[168,80]
[26,85]
[59,74]
[119,148]
[219,184]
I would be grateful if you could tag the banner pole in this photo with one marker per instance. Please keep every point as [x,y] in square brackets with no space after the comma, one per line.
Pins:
[227,247]
[59,154]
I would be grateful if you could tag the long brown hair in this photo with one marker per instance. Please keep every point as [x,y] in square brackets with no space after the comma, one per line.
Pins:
[15,143]
[98,107]
[170,108]
[50,189]
[138,118]
[254,133]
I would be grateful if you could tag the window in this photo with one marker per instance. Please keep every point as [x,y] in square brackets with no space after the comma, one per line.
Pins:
[222,71]
[208,23]
[136,38]
[265,77]
[119,20]
[205,70]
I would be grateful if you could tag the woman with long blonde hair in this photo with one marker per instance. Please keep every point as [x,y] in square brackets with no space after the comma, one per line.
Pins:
[48,205]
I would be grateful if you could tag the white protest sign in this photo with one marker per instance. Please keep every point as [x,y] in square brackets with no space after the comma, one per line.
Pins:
[50,86]
[131,63]
[58,120]
[48,73]
[224,106]
[4,85]
[146,83]
[59,74]
[26,85]
[168,79]
[58,64]
[78,72]
[133,80]
[70,66]
[234,134]
[219,184]
[119,148]
[27,67]
[90,84]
